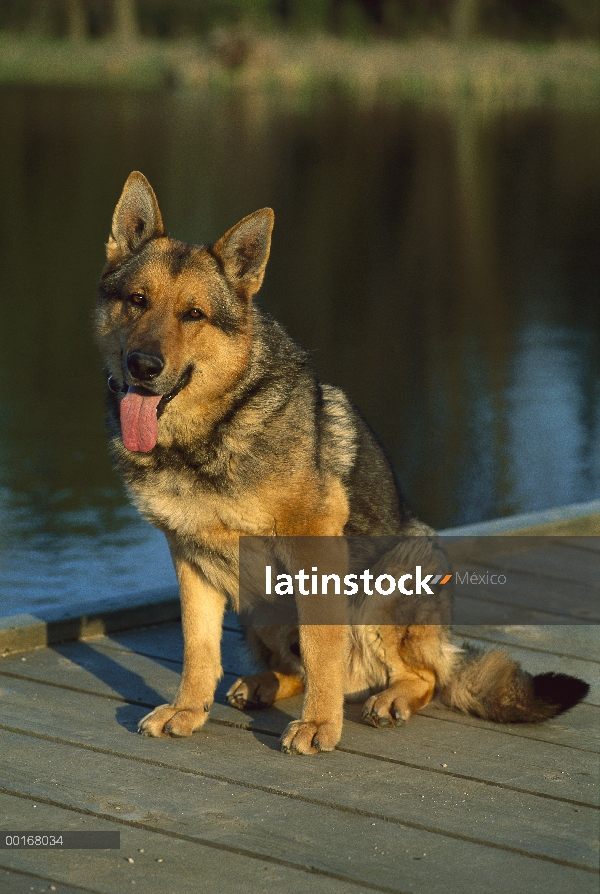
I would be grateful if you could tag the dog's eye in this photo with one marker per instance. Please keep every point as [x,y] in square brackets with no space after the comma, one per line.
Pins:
[137,300]
[194,314]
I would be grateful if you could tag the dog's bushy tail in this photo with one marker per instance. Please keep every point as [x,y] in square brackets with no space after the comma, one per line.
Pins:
[493,686]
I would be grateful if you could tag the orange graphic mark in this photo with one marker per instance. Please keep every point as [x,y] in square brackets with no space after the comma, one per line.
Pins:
[445,580]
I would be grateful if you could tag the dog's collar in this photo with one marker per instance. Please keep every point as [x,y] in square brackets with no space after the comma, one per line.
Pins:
[114,386]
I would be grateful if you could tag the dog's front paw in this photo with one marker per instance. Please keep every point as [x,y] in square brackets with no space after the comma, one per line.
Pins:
[307,737]
[167,720]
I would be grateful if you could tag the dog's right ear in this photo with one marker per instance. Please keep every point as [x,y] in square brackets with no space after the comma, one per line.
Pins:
[136,219]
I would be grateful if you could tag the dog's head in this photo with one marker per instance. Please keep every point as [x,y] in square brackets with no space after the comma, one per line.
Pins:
[173,320]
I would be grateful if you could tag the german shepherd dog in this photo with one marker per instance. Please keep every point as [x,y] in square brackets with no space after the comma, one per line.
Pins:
[220,429]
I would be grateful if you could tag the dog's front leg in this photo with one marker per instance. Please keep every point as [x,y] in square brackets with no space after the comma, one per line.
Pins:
[323,649]
[202,609]
[324,638]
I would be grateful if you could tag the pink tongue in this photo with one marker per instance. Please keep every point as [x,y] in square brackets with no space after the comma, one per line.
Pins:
[139,425]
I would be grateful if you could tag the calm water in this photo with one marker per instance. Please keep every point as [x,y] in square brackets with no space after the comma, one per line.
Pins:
[444,269]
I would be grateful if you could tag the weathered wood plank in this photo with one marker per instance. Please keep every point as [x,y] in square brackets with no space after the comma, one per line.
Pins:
[237,658]
[471,810]
[590,542]
[486,755]
[166,641]
[22,632]
[424,742]
[250,821]
[562,601]
[577,729]
[185,865]
[490,609]
[96,666]
[17,882]
[553,559]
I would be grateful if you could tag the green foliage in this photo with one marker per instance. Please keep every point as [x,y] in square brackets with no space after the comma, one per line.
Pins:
[358,20]
[177,18]
[540,19]
[305,15]
[354,21]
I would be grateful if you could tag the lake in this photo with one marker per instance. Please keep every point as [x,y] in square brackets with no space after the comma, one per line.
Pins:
[444,268]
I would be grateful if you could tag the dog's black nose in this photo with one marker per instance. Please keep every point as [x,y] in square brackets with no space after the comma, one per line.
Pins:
[144,366]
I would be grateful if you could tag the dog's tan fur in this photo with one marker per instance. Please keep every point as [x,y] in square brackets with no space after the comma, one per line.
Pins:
[250,443]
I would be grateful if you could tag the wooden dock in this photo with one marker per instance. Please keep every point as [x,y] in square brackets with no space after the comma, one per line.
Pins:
[447,803]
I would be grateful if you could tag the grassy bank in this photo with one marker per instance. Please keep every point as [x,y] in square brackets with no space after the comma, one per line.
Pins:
[490,74]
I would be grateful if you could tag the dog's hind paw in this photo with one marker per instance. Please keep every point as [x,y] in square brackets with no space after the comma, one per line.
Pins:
[386,710]
[253,691]
[306,737]
[167,720]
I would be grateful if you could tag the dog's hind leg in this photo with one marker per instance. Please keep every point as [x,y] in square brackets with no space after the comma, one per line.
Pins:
[261,690]
[278,647]
[406,694]
[412,679]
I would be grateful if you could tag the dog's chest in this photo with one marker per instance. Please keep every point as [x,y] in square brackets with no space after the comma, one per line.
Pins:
[188,507]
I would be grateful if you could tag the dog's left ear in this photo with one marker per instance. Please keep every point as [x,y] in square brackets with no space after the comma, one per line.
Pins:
[244,251]
[136,219]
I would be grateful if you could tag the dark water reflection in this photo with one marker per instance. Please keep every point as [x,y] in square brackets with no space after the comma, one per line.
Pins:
[445,270]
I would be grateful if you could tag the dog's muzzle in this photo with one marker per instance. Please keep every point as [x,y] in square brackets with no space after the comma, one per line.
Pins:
[144,366]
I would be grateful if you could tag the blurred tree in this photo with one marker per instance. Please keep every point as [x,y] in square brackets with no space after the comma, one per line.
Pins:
[410,18]
[307,15]
[125,24]
[541,19]
[77,25]
[39,21]
[460,20]
[465,19]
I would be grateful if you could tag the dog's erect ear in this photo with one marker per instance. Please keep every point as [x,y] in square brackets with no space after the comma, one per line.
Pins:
[136,219]
[244,251]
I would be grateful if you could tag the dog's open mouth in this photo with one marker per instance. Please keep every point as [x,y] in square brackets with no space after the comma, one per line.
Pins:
[140,410]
